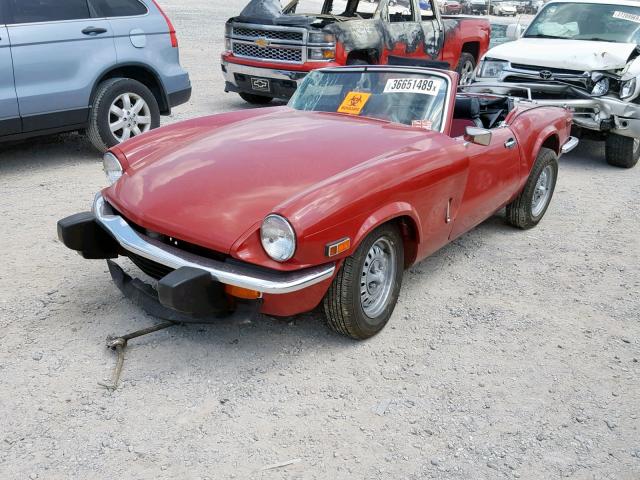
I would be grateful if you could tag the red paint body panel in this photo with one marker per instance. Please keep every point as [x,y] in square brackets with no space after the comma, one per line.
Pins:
[212,180]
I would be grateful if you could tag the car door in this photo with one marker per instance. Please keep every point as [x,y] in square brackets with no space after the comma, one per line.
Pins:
[59,51]
[493,176]
[403,34]
[9,113]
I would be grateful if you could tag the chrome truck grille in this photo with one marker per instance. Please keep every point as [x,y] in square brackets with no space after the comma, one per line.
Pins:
[270,43]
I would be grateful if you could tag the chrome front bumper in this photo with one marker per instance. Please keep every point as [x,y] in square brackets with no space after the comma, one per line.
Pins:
[244,276]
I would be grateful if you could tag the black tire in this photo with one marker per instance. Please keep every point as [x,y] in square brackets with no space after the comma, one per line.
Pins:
[98,130]
[342,305]
[356,61]
[466,61]
[520,212]
[255,99]
[622,151]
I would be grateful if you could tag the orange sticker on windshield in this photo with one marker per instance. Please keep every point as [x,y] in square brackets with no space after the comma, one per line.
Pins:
[353,103]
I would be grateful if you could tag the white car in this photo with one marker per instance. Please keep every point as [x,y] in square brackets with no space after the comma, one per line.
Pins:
[504,8]
[583,54]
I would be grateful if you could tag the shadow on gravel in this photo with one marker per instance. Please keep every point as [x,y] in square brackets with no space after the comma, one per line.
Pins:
[48,150]
[588,154]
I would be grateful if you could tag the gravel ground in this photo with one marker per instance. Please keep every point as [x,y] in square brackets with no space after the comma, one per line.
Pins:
[510,355]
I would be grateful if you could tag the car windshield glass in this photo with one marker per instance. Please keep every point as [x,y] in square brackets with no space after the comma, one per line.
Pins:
[587,21]
[409,98]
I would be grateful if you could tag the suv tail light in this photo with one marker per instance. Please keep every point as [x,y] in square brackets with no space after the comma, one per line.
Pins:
[172,31]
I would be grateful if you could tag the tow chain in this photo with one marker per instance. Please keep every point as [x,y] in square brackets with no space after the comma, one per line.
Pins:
[118,344]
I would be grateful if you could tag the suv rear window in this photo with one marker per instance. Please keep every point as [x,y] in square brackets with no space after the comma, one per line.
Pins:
[118,8]
[30,11]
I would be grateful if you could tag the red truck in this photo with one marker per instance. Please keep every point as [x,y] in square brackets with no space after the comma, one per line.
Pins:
[269,47]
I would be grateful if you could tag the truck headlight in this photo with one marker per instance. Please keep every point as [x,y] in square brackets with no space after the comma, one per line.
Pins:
[321,37]
[492,68]
[628,88]
[278,238]
[601,87]
[112,167]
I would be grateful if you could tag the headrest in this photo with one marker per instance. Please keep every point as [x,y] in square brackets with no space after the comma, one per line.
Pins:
[467,107]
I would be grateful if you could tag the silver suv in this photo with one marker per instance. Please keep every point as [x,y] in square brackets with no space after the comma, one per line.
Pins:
[108,66]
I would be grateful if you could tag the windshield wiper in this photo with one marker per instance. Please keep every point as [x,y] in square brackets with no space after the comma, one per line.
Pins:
[541,35]
[597,39]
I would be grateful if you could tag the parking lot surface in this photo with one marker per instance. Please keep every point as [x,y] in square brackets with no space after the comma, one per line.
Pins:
[511,354]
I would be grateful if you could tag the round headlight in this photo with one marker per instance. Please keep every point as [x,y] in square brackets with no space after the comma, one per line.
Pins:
[112,168]
[601,87]
[278,238]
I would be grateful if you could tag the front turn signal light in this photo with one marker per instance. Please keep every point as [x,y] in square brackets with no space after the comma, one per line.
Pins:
[338,247]
[243,293]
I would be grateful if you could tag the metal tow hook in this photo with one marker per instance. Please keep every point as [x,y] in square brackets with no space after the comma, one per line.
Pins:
[118,344]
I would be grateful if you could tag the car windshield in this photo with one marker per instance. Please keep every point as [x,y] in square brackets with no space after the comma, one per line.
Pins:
[587,21]
[409,98]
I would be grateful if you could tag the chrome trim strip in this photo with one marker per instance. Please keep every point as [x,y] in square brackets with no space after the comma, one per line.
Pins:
[570,144]
[237,275]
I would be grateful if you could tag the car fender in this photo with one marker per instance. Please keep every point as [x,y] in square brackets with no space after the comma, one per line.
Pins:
[385,214]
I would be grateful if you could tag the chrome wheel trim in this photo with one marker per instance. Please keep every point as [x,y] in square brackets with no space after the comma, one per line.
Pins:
[542,191]
[377,277]
[636,145]
[129,116]
[467,73]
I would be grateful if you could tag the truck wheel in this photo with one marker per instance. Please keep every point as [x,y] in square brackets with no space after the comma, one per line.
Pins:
[122,108]
[532,203]
[622,151]
[466,67]
[362,297]
[255,99]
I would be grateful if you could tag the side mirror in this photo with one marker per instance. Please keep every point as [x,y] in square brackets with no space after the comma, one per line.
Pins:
[514,31]
[477,135]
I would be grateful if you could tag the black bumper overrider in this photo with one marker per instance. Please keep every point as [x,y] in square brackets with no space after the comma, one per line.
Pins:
[185,295]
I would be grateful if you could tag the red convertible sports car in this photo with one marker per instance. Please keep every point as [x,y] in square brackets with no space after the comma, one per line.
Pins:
[368,170]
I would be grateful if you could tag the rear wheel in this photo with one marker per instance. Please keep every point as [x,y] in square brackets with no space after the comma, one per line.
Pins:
[622,151]
[255,99]
[465,68]
[529,207]
[122,108]
[363,295]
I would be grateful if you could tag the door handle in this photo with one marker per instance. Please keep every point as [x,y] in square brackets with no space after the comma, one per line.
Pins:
[510,143]
[94,30]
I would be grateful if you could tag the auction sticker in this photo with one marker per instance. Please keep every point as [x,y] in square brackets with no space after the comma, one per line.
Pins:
[353,103]
[627,16]
[426,86]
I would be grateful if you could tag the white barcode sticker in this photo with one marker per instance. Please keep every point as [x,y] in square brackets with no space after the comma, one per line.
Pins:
[426,86]
[627,16]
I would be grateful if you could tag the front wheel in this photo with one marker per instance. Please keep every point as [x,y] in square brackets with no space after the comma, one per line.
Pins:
[255,99]
[363,295]
[622,151]
[529,207]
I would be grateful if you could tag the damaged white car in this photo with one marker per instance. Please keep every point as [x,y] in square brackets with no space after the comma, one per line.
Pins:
[584,55]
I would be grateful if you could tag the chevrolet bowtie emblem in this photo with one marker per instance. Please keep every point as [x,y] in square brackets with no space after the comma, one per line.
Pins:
[262,42]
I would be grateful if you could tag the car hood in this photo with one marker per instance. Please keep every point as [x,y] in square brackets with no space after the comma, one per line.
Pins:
[568,54]
[214,185]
